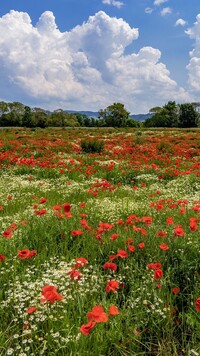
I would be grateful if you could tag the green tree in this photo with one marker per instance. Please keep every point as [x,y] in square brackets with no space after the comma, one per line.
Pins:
[188,116]
[27,117]
[114,115]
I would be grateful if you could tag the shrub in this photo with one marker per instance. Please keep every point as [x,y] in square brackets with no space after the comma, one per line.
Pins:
[92,146]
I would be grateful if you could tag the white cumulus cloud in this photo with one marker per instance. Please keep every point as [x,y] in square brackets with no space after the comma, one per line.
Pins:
[85,68]
[159,2]
[180,22]
[115,3]
[166,11]
[194,64]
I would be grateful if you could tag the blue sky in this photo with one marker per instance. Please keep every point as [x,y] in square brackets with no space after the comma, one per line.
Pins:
[87,54]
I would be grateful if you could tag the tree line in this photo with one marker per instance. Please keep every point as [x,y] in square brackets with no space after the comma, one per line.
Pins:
[16,114]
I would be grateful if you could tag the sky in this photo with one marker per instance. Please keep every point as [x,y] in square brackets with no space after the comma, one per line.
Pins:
[88,54]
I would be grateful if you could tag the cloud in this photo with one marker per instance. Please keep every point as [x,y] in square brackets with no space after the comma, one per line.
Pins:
[159,2]
[115,3]
[180,22]
[148,10]
[194,65]
[166,11]
[85,68]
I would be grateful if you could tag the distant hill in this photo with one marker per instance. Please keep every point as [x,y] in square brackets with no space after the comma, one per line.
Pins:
[137,117]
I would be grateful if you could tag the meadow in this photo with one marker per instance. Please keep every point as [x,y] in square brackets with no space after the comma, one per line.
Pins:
[99,252]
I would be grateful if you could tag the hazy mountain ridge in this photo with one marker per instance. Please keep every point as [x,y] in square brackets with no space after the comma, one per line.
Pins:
[137,117]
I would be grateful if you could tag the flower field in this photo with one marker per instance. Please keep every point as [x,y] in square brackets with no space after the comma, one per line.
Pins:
[100,252]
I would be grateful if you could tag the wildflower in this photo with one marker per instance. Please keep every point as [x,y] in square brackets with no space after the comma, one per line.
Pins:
[113,310]
[50,294]
[131,248]
[111,286]
[7,234]
[114,237]
[158,274]
[85,329]
[197,303]
[110,265]
[122,254]
[43,200]
[141,245]
[77,232]
[2,257]
[178,231]
[164,247]
[80,262]
[66,207]
[74,274]
[23,254]
[176,290]
[31,310]
[40,212]
[97,314]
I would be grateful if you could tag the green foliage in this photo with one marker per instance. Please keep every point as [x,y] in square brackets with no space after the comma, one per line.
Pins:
[188,116]
[114,115]
[92,146]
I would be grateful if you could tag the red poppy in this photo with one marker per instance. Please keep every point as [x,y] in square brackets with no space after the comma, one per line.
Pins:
[43,200]
[74,274]
[131,248]
[2,257]
[197,303]
[77,232]
[85,329]
[110,265]
[113,310]
[80,262]
[176,290]
[66,207]
[114,236]
[111,286]
[141,245]
[158,274]
[7,234]
[50,294]
[122,254]
[23,254]
[97,314]
[169,221]
[164,247]
[40,212]
[178,231]
[31,310]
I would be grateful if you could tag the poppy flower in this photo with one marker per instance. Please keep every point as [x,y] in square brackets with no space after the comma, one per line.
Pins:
[113,310]
[50,294]
[158,274]
[77,232]
[2,257]
[7,234]
[80,262]
[66,207]
[164,247]
[74,274]
[178,231]
[24,254]
[97,314]
[31,310]
[85,329]
[122,254]
[114,237]
[197,303]
[131,248]
[176,290]
[43,200]
[141,245]
[111,286]
[110,265]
